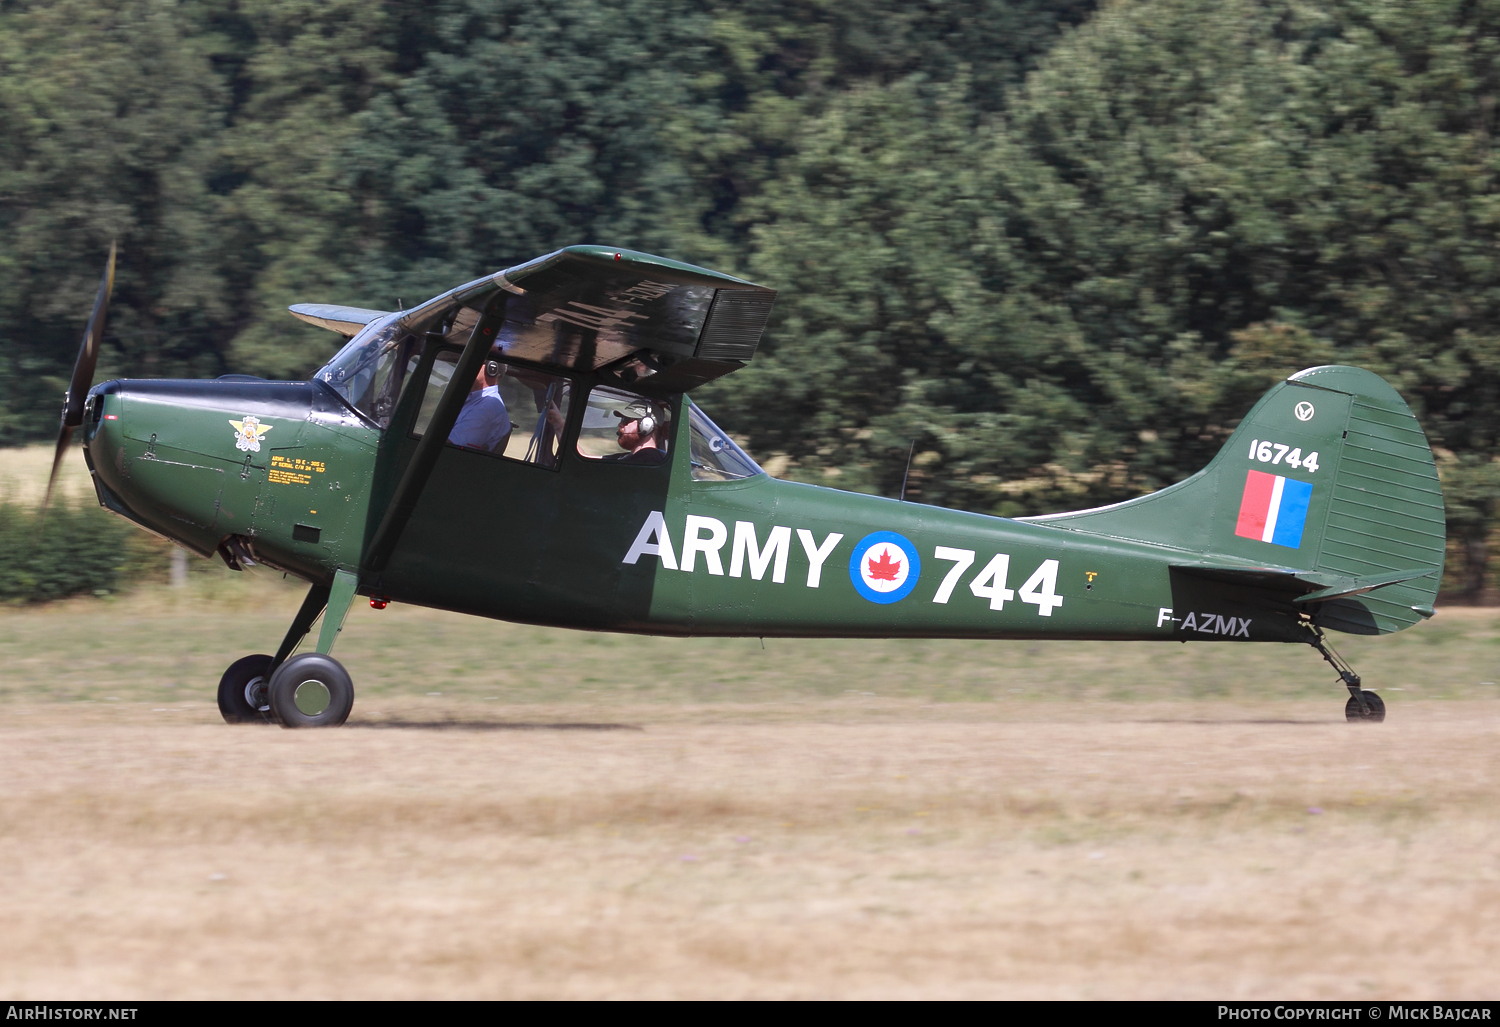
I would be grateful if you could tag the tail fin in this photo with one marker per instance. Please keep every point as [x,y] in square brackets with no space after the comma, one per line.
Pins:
[1326,491]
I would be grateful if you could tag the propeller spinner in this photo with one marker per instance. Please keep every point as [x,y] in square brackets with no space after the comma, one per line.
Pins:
[83,371]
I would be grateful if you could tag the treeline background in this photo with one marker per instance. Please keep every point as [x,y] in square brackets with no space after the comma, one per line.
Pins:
[1061,245]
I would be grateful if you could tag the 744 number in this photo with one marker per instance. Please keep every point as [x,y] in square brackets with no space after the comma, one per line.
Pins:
[1040,589]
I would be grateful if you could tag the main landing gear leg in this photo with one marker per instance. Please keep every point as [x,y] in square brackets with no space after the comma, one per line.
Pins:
[307,690]
[244,690]
[1362,706]
[317,598]
[313,689]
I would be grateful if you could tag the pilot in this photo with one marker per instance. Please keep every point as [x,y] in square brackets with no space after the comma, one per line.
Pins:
[642,433]
[483,423]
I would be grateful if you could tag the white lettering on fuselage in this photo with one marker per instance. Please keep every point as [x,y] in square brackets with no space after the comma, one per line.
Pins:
[694,542]
[707,535]
[1206,623]
[655,527]
[778,545]
[816,554]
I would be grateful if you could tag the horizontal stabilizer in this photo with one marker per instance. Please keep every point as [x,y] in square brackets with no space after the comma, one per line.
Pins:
[1344,587]
[1324,586]
[347,321]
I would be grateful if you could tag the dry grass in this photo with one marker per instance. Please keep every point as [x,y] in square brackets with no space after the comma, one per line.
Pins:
[590,815]
[1145,850]
[24,471]
[159,645]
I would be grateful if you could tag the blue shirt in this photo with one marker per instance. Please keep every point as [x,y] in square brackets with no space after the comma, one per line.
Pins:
[483,423]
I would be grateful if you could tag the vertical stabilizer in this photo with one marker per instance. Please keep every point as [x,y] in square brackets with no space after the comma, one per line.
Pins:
[1329,481]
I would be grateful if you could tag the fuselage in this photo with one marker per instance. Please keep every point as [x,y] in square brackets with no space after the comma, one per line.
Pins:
[288,475]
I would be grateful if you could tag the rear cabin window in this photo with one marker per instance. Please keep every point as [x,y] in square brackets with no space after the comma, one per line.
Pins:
[715,457]
[622,427]
[510,411]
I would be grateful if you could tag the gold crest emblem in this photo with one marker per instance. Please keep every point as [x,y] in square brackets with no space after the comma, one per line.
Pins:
[247,433]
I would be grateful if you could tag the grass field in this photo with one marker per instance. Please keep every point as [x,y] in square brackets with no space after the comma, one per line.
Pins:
[516,812]
[159,645]
[523,812]
[24,471]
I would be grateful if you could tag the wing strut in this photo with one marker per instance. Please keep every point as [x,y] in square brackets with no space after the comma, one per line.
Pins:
[414,478]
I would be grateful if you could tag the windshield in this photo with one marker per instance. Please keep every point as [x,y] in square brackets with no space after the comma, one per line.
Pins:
[370,370]
[714,455]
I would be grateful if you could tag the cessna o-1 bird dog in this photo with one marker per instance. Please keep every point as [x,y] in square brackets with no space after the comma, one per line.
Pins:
[523,447]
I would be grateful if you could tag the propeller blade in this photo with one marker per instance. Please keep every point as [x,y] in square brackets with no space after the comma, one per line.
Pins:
[83,370]
[62,447]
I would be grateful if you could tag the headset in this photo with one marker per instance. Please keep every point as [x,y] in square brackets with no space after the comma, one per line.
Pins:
[492,368]
[647,424]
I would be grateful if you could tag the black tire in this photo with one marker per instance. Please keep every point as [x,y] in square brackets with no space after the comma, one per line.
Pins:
[320,683]
[1353,712]
[242,691]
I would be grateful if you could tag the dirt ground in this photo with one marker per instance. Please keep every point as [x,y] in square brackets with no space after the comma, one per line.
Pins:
[844,847]
[527,812]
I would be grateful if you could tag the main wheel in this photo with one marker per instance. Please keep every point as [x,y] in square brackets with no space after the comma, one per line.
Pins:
[1375,714]
[242,691]
[311,690]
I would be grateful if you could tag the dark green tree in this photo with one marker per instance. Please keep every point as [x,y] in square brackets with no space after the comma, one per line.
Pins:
[109,111]
[300,224]
[1074,302]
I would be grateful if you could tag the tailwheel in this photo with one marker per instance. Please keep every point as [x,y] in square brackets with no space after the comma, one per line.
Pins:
[311,690]
[1363,707]
[1367,707]
[243,694]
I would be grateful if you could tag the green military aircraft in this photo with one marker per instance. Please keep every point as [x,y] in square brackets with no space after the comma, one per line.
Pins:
[523,447]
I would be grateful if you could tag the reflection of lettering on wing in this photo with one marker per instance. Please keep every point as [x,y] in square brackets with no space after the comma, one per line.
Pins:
[641,292]
[588,316]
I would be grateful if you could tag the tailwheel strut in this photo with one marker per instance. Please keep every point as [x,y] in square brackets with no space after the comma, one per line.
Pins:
[1362,705]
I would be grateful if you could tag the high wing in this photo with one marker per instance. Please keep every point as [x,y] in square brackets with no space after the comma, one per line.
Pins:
[347,321]
[674,325]
[656,324]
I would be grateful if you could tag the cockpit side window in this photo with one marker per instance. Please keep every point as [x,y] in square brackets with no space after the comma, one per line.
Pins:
[625,428]
[511,411]
[714,455]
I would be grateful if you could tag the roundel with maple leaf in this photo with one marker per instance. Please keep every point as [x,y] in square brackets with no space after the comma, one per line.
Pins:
[884,567]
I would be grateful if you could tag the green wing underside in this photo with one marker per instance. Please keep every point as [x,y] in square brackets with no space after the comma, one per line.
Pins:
[657,324]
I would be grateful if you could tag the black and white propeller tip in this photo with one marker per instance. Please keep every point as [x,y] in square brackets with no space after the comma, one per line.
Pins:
[83,371]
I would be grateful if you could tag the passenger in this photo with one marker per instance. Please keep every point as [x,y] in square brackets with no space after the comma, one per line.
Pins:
[483,423]
[642,433]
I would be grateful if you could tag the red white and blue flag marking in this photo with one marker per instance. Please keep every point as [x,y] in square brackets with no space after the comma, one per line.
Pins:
[1274,509]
